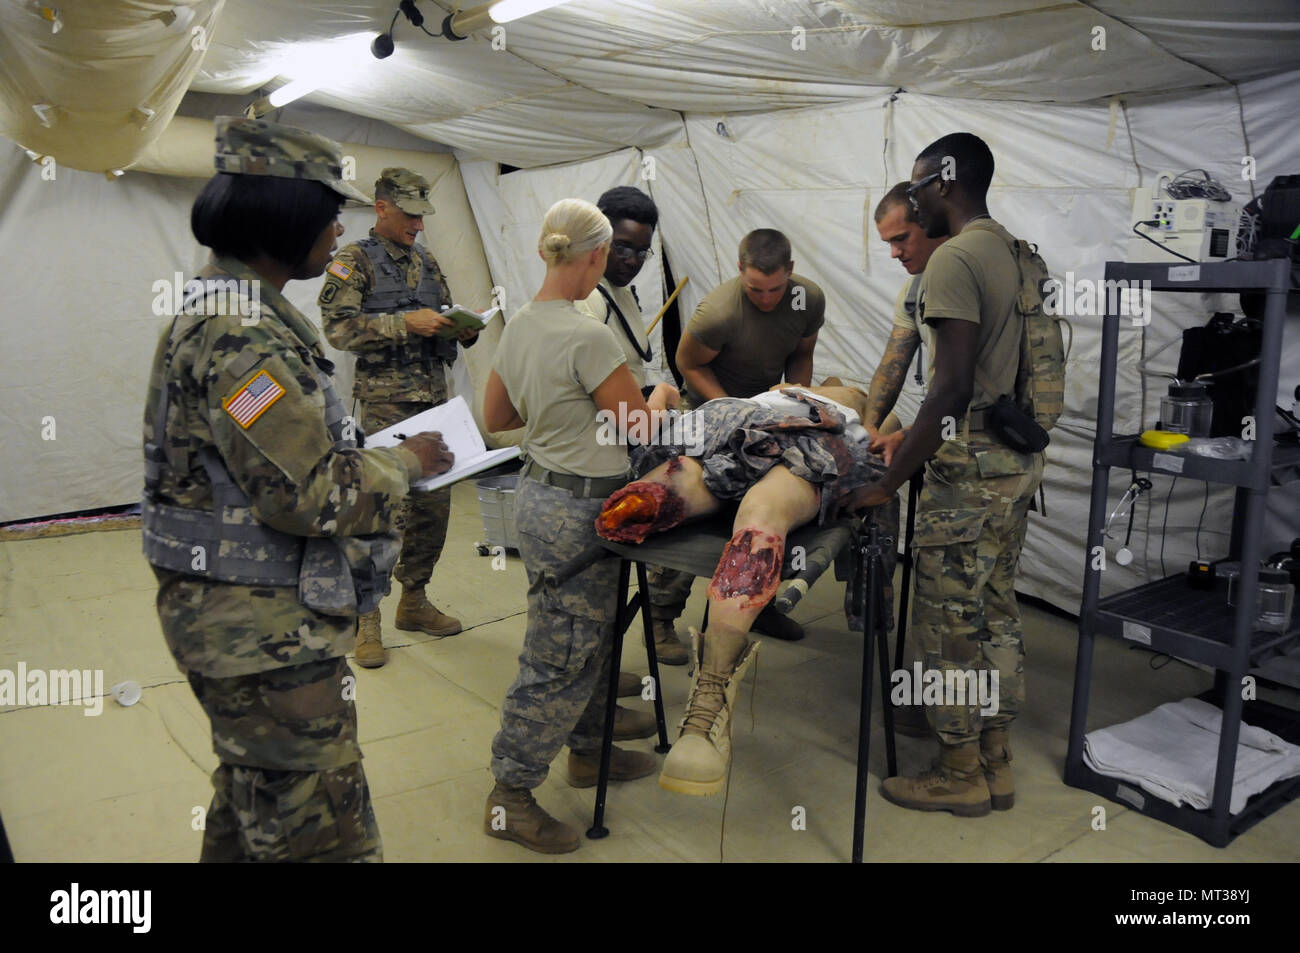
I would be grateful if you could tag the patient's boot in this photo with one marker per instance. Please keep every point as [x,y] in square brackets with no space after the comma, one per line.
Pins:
[995,755]
[697,763]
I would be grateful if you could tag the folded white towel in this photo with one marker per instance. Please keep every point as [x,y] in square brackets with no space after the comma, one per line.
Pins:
[1172,753]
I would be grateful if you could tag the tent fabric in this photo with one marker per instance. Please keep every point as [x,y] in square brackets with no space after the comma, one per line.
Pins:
[103,86]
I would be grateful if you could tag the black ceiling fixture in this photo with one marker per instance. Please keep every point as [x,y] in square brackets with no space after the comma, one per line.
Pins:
[382,45]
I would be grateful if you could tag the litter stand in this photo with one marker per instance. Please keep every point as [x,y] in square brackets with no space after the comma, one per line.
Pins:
[696,548]
[869,597]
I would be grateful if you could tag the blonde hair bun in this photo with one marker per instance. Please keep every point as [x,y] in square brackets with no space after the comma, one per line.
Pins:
[572,228]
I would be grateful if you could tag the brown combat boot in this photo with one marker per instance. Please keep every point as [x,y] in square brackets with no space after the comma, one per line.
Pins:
[630,725]
[584,769]
[629,685]
[370,643]
[995,755]
[513,814]
[697,763]
[415,613]
[669,649]
[955,783]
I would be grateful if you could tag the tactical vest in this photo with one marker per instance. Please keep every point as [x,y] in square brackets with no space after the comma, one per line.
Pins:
[390,294]
[338,575]
[1039,388]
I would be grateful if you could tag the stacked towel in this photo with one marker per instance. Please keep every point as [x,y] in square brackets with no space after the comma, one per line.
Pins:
[1172,753]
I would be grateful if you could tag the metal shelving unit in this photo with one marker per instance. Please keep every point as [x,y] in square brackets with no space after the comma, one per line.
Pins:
[1167,614]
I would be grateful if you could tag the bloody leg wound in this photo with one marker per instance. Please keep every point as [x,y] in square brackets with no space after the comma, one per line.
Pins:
[637,510]
[744,571]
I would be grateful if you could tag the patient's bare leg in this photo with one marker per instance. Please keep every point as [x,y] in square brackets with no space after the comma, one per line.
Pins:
[668,495]
[750,568]
[745,581]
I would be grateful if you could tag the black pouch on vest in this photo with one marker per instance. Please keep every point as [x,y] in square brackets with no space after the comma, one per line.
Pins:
[1014,427]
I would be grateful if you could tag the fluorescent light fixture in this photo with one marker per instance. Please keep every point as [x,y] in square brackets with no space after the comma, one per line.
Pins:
[504,11]
[310,66]
[460,25]
[291,91]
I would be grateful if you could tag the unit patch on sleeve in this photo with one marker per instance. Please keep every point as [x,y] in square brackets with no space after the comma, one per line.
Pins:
[253,399]
[339,270]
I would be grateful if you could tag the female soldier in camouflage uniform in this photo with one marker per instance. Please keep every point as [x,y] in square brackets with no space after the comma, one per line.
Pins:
[266,527]
[555,370]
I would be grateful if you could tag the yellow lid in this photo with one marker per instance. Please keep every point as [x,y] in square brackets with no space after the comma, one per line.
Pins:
[1161,439]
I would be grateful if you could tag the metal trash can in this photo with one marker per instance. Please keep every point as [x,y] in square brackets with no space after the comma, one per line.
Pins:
[496,503]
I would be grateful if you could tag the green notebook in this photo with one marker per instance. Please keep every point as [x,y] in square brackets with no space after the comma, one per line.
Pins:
[466,319]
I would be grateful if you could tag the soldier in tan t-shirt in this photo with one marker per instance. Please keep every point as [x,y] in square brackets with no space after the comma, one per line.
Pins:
[747,335]
[633,216]
[555,370]
[973,511]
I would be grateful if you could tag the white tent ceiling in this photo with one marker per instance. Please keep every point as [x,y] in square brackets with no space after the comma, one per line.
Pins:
[598,75]
[595,75]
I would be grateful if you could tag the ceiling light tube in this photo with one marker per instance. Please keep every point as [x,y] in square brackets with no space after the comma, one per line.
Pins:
[458,26]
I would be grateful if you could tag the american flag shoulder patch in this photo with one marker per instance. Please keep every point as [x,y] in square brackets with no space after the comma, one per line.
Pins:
[253,399]
[339,270]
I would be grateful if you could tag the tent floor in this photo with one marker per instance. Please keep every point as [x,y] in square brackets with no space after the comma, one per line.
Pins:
[122,786]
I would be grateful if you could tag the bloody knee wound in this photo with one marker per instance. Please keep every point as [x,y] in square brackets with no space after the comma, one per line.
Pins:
[744,571]
[637,510]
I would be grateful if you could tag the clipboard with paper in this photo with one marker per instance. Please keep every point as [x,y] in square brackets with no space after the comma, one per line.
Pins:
[456,424]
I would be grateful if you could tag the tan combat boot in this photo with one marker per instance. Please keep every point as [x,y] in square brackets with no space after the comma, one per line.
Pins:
[995,755]
[415,613]
[370,643]
[668,647]
[697,763]
[584,769]
[513,814]
[955,783]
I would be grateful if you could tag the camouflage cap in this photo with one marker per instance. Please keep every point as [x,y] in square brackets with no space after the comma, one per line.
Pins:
[258,147]
[410,190]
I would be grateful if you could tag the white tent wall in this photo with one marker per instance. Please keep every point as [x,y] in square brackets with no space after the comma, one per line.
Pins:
[510,208]
[1064,175]
[80,328]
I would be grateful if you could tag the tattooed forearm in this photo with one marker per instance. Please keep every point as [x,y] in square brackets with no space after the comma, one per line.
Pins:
[887,382]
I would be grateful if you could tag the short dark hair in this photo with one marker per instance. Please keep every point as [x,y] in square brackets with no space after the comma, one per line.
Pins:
[765,249]
[897,196]
[973,159]
[624,201]
[245,216]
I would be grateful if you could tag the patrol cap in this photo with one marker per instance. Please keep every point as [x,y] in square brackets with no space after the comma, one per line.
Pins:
[259,147]
[410,190]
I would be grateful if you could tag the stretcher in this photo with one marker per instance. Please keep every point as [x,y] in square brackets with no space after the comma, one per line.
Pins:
[855,552]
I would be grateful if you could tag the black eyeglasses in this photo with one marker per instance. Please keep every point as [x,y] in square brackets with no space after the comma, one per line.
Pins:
[627,252]
[918,186]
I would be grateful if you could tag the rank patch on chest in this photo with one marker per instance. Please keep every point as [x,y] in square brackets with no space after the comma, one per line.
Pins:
[339,270]
[253,399]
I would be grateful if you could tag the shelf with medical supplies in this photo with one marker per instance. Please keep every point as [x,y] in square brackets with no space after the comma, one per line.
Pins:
[1230,614]
[1197,625]
[1128,453]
